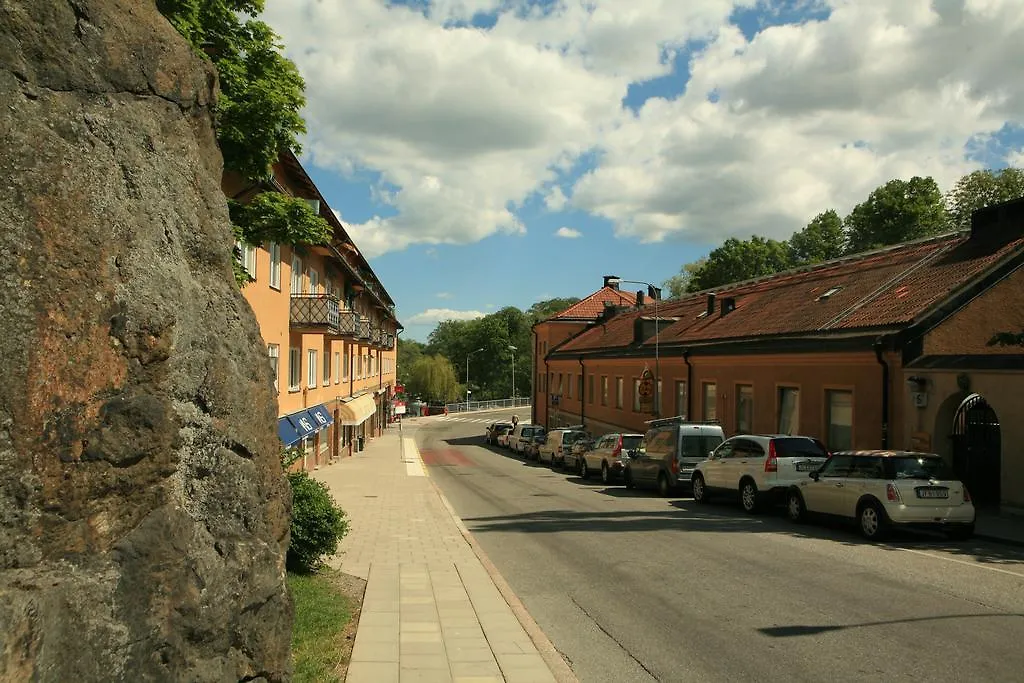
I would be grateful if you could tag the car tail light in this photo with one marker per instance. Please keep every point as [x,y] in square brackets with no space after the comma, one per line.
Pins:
[967,495]
[892,494]
[772,463]
[675,466]
[617,452]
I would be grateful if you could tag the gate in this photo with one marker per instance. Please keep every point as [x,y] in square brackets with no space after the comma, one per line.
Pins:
[977,450]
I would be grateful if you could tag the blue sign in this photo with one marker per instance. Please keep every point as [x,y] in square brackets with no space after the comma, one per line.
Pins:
[322,416]
[304,423]
[287,432]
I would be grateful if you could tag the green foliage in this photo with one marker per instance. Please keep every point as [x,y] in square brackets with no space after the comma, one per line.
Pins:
[432,377]
[322,611]
[980,189]
[409,351]
[898,211]
[678,285]
[276,217]
[318,524]
[821,240]
[261,91]
[738,260]
[549,307]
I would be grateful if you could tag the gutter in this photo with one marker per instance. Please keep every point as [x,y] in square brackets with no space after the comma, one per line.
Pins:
[689,385]
[583,374]
[879,346]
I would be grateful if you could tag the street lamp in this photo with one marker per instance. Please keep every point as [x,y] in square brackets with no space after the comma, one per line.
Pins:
[513,350]
[654,293]
[468,392]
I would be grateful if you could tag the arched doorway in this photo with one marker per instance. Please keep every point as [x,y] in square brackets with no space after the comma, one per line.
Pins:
[977,450]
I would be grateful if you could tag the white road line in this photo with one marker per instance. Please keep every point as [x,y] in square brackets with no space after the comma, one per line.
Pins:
[969,564]
[413,461]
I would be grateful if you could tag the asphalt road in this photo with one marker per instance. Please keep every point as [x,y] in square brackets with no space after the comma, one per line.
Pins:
[632,587]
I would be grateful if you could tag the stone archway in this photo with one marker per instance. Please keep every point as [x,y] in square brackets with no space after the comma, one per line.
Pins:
[977,450]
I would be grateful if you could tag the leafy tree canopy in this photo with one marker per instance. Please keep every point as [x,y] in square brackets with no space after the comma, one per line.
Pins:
[678,284]
[898,211]
[276,217]
[549,307]
[738,260]
[433,378]
[821,240]
[980,189]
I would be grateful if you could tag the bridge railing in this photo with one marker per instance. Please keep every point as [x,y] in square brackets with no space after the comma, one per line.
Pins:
[471,406]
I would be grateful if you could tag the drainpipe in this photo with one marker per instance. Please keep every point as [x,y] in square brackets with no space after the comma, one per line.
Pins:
[689,385]
[879,349]
[547,397]
[583,374]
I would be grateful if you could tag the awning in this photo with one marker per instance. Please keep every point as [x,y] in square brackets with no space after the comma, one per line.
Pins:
[304,423]
[287,432]
[357,411]
[322,416]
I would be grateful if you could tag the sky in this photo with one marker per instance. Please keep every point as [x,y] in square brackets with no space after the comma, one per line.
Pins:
[491,153]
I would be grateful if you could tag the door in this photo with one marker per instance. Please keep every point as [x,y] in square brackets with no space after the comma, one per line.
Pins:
[715,468]
[828,494]
[747,458]
[977,450]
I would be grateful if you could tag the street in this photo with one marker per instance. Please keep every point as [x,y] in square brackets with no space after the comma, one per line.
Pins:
[632,587]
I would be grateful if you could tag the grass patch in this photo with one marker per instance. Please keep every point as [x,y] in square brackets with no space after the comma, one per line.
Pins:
[326,608]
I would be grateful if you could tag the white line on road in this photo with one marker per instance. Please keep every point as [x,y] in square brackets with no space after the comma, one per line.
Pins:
[413,461]
[969,564]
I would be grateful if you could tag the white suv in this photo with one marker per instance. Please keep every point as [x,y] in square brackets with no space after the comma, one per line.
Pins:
[756,467]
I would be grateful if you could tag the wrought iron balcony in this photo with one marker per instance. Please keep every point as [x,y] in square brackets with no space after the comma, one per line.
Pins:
[322,313]
[348,324]
[365,329]
[389,341]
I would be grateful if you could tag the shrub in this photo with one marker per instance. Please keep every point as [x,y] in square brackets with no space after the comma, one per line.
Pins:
[318,524]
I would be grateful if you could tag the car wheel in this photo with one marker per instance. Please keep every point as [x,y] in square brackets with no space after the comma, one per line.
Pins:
[700,491]
[872,521]
[960,533]
[748,496]
[606,474]
[663,488]
[628,479]
[795,509]
[584,471]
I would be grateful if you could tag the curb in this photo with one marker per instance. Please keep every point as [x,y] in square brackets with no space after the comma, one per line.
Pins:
[558,666]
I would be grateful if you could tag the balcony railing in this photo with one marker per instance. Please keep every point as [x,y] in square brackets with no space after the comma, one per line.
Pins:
[365,329]
[348,324]
[322,312]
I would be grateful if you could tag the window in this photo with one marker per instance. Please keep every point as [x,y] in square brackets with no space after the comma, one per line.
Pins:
[789,410]
[248,253]
[294,368]
[559,384]
[744,408]
[359,367]
[275,264]
[314,281]
[619,389]
[345,365]
[296,283]
[328,287]
[590,389]
[311,368]
[839,407]
[337,366]
[636,396]
[274,353]
[327,366]
[657,398]
[710,402]
[681,399]
[604,390]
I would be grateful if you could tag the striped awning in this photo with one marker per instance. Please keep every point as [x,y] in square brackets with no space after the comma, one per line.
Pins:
[357,411]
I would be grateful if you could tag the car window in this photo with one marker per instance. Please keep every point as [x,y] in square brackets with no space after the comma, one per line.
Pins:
[630,442]
[660,441]
[710,444]
[794,448]
[867,468]
[919,467]
[724,449]
[692,446]
[572,437]
[837,466]
[745,448]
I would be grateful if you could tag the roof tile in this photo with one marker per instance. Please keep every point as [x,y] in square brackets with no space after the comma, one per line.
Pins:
[592,307]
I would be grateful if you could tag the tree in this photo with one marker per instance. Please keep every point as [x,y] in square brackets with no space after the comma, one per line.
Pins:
[980,189]
[409,351]
[433,378]
[821,240]
[261,91]
[549,307]
[898,211]
[678,284]
[738,260]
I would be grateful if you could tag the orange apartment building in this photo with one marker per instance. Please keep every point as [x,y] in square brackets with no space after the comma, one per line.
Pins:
[329,326]
[887,349]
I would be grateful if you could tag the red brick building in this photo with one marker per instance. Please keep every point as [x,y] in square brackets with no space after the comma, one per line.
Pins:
[883,349]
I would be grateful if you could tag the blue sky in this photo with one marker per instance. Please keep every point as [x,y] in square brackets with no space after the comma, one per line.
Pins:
[439,130]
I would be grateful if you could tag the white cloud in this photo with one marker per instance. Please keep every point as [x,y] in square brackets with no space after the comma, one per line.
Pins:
[465,124]
[568,233]
[444,295]
[437,315]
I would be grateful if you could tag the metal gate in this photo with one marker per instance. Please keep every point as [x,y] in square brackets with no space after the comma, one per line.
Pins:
[977,450]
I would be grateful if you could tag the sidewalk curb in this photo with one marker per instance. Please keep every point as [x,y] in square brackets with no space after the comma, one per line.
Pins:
[558,666]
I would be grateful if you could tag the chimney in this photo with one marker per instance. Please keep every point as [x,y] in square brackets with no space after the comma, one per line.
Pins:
[613,285]
[728,305]
[711,303]
[639,299]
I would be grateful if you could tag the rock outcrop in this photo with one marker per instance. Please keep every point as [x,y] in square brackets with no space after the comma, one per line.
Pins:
[143,513]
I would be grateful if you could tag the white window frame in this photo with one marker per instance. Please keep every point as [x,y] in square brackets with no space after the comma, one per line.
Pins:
[337,367]
[296,281]
[294,368]
[248,258]
[314,280]
[345,365]
[274,354]
[327,368]
[311,377]
[274,249]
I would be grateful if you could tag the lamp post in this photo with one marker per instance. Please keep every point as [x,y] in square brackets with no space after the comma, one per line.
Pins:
[468,392]
[513,350]
[654,293]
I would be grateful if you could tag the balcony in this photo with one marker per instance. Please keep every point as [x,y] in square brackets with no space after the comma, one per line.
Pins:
[389,341]
[365,330]
[321,313]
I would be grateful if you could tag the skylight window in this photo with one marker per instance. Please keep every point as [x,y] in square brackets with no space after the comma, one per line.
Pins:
[829,292]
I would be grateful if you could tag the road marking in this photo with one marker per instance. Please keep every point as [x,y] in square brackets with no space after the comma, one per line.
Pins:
[411,456]
[969,564]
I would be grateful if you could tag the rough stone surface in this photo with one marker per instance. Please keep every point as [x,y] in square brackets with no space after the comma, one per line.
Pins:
[143,513]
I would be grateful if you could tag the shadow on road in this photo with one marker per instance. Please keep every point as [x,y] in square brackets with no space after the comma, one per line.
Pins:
[807,630]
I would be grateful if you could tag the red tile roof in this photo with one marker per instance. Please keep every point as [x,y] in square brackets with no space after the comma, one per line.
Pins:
[592,307]
[885,289]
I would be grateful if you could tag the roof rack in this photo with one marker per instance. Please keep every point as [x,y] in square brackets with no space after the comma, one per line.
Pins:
[678,419]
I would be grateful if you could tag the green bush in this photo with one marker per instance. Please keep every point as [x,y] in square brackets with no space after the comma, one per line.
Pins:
[318,524]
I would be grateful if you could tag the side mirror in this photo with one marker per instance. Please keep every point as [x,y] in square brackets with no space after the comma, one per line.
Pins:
[814,475]
[711,455]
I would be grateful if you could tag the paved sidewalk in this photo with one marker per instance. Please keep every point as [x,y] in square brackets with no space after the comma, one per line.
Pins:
[431,611]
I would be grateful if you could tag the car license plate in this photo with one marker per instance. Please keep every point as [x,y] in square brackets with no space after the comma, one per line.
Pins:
[807,466]
[933,493]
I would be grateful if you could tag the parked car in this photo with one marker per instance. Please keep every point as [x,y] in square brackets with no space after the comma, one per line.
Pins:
[558,446]
[504,435]
[608,455]
[579,448]
[757,467]
[669,452]
[521,435]
[533,445]
[491,435]
[885,489]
